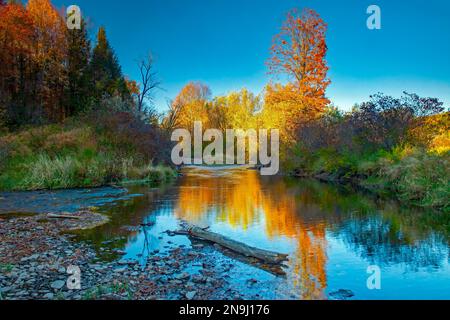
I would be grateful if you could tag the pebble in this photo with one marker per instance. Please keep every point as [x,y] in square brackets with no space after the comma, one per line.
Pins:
[49,296]
[182,276]
[342,294]
[191,294]
[58,284]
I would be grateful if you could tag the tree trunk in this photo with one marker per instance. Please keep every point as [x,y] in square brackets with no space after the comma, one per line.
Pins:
[264,255]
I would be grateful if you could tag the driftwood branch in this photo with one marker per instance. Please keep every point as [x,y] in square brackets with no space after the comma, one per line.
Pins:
[263,255]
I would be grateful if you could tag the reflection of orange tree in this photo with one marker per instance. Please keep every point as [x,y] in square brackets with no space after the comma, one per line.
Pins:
[234,200]
[283,218]
[240,200]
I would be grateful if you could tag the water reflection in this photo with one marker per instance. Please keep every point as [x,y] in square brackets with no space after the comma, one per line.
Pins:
[331,234]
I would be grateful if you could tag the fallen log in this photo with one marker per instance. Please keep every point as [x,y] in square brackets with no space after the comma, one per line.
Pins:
[62,216]
[263,255]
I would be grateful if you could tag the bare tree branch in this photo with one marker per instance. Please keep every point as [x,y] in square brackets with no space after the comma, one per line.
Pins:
[149,81]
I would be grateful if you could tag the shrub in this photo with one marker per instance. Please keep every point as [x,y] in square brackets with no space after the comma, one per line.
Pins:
[382,123]
[130,136]
[441,143]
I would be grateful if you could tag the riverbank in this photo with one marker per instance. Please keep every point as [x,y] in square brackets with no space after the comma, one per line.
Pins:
[83,153]
[413,177]
[36,252]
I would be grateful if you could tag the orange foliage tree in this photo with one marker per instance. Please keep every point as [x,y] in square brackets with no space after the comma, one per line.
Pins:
[49,56]
[16,36]
[299,52]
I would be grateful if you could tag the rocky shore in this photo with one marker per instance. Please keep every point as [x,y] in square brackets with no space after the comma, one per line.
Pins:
[36,254]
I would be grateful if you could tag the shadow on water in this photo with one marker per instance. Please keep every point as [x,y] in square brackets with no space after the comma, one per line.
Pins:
[332,234]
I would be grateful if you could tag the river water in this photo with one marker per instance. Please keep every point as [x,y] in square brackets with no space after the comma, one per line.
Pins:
[332,234]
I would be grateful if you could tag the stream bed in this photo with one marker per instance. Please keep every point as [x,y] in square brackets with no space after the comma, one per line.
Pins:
[331,234]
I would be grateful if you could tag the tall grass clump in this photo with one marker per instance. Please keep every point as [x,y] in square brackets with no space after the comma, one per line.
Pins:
[420,178]
[146,173]
[47,173]
[69,172]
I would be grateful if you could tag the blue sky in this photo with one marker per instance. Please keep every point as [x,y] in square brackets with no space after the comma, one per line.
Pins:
[225,43]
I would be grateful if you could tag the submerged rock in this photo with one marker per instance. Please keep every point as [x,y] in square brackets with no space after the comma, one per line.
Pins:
[58,284]
[342,294]
[49,296]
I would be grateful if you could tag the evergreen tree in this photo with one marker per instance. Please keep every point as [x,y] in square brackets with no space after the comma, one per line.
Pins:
[105,70]
[79,51]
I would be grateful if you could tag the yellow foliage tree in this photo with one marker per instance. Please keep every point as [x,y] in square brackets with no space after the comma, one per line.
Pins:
[237,110]
[192,103]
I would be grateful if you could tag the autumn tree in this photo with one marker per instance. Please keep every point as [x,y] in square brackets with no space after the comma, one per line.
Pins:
[49,58]
[192,104]
[237,110]
[46,70]
[298,52]
[16,44]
